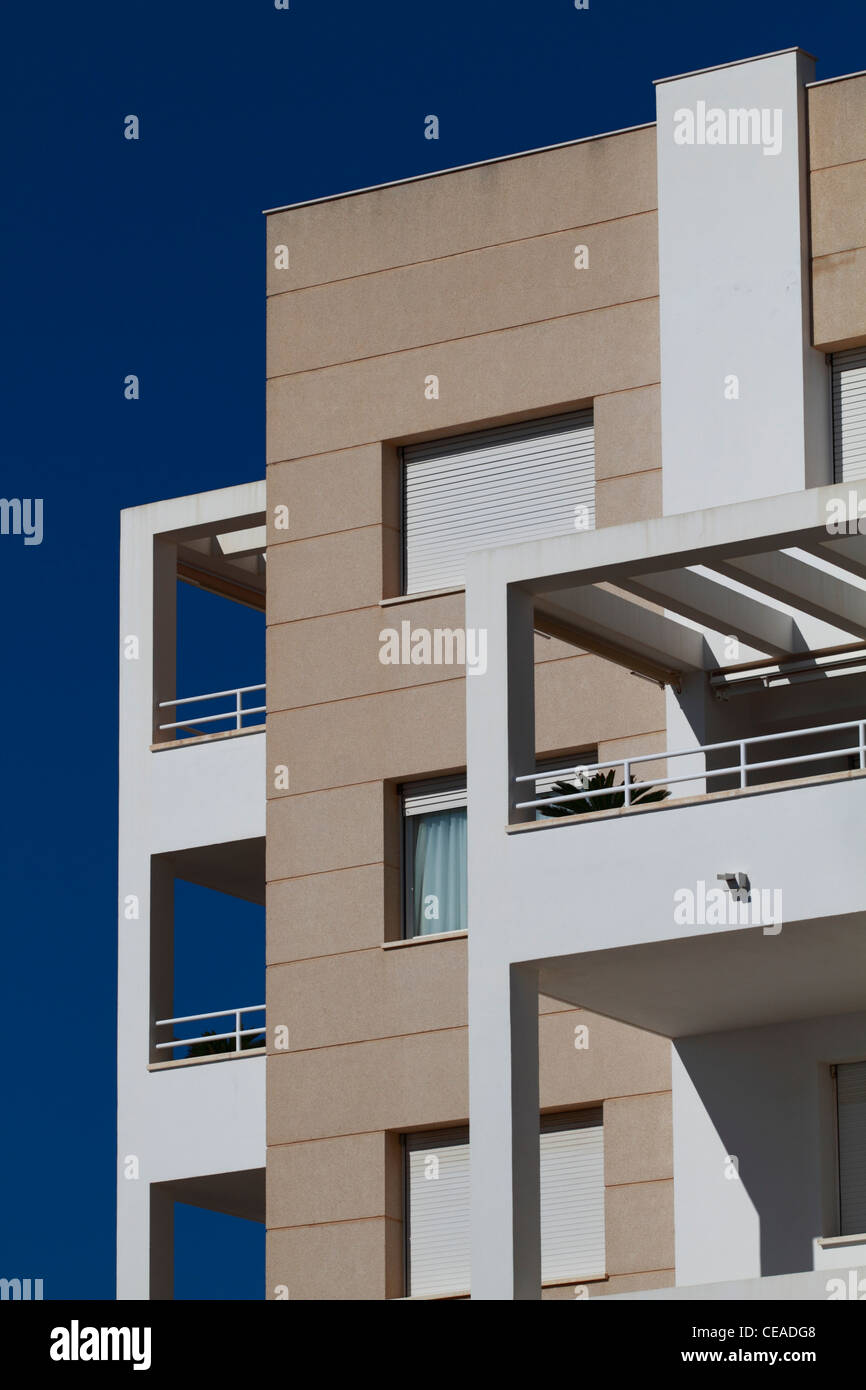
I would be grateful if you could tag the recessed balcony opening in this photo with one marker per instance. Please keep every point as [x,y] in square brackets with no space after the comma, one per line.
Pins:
[208,1237]
[208,954]
[209,649]
[759,644]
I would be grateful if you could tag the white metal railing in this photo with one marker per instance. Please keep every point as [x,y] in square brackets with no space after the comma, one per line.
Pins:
[238,1032]
[238,714]
[741,768]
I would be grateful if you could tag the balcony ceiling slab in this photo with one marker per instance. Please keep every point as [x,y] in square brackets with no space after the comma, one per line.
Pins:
[713,982]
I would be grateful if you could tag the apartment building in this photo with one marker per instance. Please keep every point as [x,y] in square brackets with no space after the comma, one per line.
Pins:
[565,455]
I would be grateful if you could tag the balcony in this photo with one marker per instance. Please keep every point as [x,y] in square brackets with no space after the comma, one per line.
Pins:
[735,897]
[728,915]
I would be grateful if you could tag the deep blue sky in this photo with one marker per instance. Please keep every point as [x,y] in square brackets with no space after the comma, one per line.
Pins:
[147,257]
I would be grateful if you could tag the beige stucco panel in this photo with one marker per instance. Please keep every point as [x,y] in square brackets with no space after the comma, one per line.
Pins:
[354,1260]
[839,208]
[620,500]
[638,1139]
[839,300]
[371,994]
[403,734]
[837,122]
[618,1061]
[585,700]
[435,301]
[321,914]
[537,367]
[627,432]
[639,1227]
[396,1083]
[325,574]
[335,829]
[331,492]
[337,1179]
[593,181]
[336,657]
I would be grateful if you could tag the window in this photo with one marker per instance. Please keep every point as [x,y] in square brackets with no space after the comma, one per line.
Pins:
[851,1121]
[494,487]
[572,1204]
[849,415]
[434,857]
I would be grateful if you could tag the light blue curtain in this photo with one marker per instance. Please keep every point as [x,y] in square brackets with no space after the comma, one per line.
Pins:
[439,873]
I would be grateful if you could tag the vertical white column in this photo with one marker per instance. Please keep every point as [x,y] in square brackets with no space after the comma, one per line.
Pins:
[503,998]
[744,395]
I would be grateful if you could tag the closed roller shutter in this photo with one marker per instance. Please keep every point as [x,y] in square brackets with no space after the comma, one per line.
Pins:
[438,1178]
[849,415]
[495,487]
[851,1099]
[572,1204]
[572,1196]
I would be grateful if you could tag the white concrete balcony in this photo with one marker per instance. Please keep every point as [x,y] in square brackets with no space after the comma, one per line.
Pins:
[629,912]
[192,802]
[720,910]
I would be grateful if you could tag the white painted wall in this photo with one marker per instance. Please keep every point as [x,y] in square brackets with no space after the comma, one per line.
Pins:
[208,1118]
[734,296]
[763,1096]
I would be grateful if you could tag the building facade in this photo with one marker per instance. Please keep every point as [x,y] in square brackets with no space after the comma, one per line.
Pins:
[542,436]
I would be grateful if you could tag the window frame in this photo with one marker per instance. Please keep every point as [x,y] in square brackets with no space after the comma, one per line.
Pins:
[408,791]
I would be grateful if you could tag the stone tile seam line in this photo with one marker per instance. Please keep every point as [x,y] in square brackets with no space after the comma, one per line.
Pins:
[369,950]
[402,689]
[338,1221]
[338,531]
[464,338]
[335,613]
[380,443]
[340,869]
[360,1042]
[466,251]
[418,1129]
[840,251]
[455,169]
[843,164]
[635,473]
[372,695]
[636,1182]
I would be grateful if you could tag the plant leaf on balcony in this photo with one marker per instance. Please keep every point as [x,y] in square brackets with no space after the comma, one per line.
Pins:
[608,797]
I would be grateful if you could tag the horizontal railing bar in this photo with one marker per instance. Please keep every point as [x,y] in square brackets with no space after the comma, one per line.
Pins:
[210,1037]
[217,695]
[689,752]
[214,718]
[689,777]
[217,1013]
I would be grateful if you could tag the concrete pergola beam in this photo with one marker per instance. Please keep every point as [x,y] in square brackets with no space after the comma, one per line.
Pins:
[785,579]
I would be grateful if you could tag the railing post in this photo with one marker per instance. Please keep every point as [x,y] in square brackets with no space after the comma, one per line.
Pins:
[237,1030]
[862,728]
[742,762]
[626,774]
[238,698]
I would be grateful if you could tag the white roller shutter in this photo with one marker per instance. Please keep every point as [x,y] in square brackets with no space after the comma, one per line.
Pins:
[849,415]
[572,1196]
[851,1100]
[438,1216]
[572,1204]
[440,794]
[494,487]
